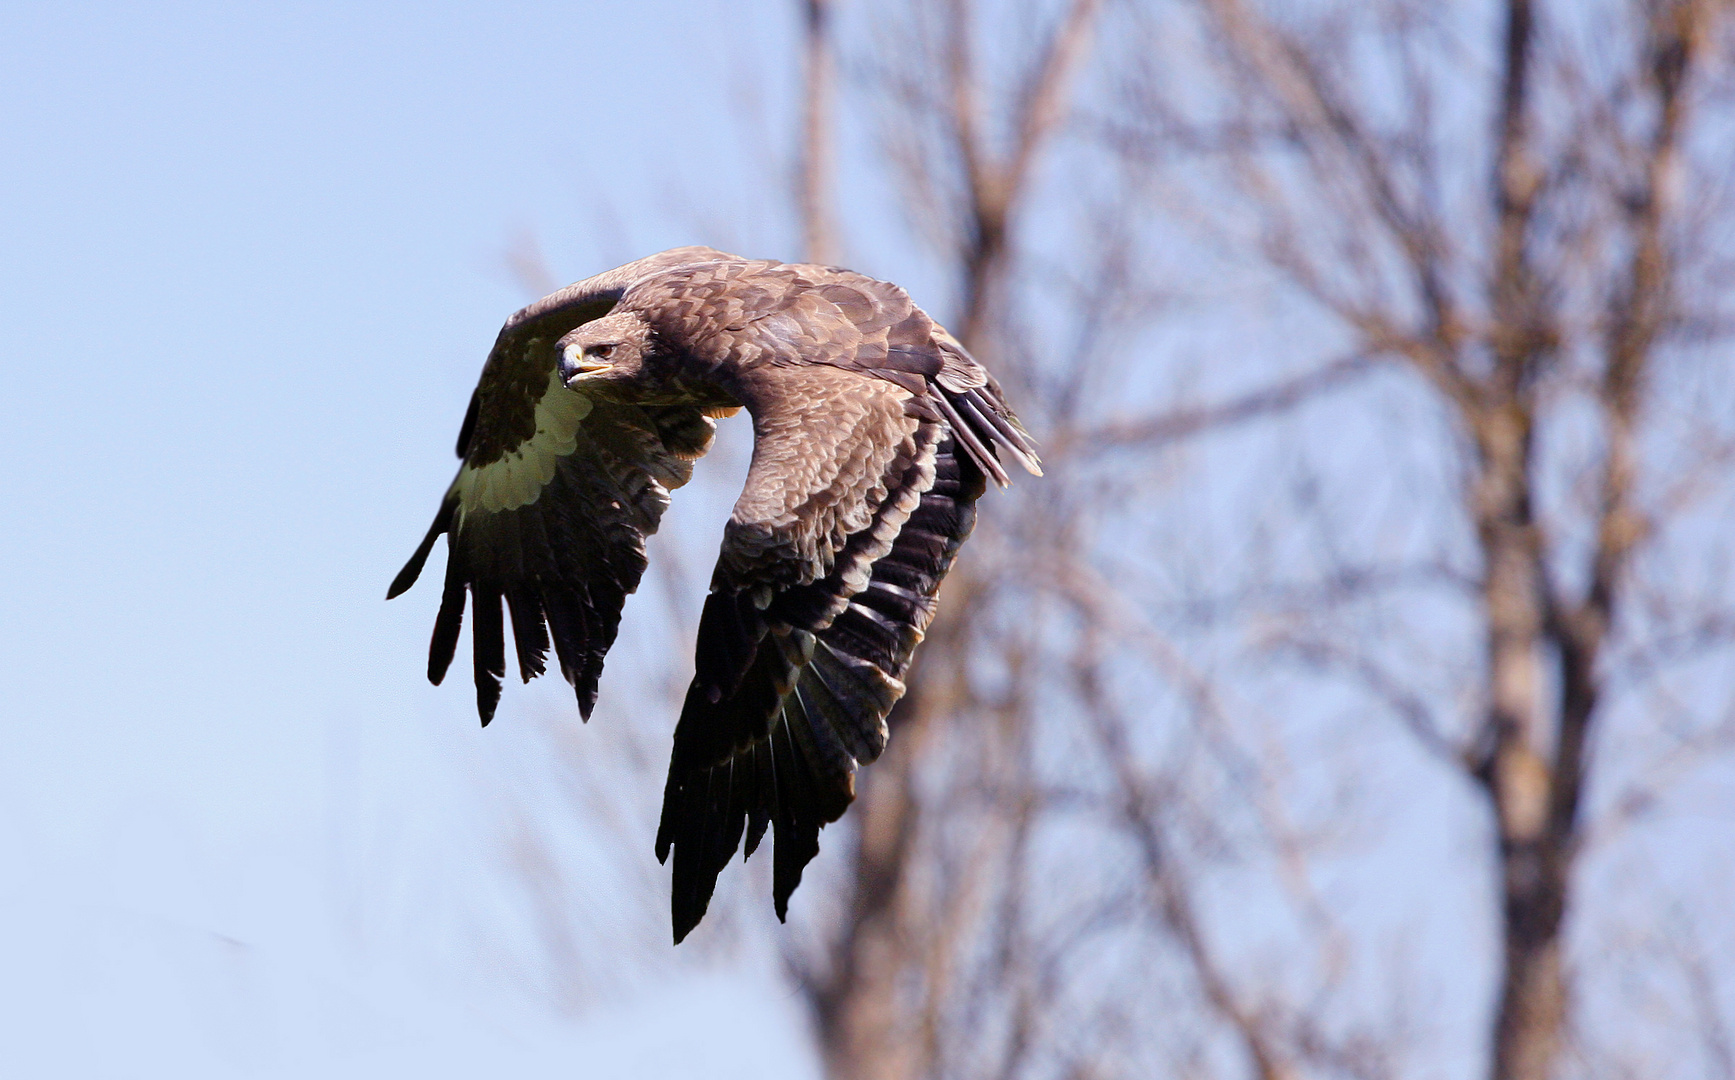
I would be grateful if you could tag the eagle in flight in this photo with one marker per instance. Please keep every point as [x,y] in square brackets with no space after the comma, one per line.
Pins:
[874,432]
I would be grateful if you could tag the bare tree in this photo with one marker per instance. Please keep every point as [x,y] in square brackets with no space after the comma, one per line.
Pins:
[868,1026]
[1374,349]
[814,180]
[936,970]
[1549,305]
[1536,303]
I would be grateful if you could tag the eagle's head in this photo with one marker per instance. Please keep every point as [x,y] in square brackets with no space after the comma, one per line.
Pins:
[609,350]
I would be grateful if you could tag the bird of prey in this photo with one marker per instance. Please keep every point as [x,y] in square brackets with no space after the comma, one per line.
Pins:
[874,432]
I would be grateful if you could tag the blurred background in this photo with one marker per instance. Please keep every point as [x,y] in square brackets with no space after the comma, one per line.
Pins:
[1354,697]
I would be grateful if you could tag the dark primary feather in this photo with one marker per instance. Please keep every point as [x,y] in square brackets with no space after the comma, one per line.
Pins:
[875,433]
[565,561]
[812,705]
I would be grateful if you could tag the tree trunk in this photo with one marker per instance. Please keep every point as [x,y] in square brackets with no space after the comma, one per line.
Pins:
[1533,863]
[866,1027]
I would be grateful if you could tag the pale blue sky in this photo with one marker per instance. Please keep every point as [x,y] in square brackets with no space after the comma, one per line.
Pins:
[251,257]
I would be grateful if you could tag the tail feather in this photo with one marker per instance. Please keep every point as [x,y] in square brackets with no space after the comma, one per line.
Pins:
[993,416]
[977,444]
[983,425]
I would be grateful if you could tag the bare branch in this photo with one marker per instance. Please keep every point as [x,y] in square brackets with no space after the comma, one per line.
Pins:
[1140,813]
[1148,433]
[996,190]
[818,225]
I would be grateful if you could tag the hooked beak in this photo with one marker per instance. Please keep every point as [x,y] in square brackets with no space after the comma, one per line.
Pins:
[574,362]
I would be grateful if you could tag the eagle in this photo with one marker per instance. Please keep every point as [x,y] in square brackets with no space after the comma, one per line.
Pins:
[874,433]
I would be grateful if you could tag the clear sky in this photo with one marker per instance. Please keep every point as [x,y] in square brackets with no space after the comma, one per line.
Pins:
[251,258]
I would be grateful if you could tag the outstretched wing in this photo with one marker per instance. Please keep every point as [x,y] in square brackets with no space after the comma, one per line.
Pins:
[863,486]
[556,494]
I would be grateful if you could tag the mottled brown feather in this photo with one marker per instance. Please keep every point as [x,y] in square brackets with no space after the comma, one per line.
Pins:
[874,434]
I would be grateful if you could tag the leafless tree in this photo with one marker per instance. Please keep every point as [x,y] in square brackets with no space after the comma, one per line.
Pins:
[1536,249]
[1378,358]
[935,969]
[1548,306]
[814,179]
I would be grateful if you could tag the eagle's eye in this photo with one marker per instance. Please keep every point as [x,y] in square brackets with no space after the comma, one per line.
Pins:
[579,360]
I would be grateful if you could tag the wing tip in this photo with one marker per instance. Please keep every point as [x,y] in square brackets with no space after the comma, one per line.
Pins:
[413,569]
[684,923]
[407,577]
[690,894]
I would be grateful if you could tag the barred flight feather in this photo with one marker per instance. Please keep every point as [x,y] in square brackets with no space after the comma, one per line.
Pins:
[875,434]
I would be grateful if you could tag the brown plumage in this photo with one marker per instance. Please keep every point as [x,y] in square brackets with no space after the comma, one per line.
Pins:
[874,434]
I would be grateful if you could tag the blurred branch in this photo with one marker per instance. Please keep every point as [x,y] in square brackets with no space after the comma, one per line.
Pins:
[995,190]
[1640,796]
[1701,980]
[1148,433]
[818,224]
[858,1003]
[1337,201]
[1410,707]
[1139,812]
